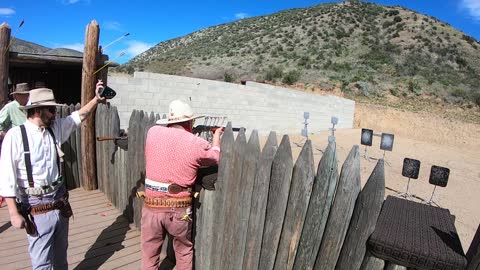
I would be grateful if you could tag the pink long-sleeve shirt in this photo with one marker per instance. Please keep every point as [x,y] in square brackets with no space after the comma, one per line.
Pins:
[174,155]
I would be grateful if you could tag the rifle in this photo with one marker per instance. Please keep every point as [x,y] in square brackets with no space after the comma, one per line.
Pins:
[204,128]
[121,142]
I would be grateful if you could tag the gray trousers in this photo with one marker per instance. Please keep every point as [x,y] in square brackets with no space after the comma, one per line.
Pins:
[48,250]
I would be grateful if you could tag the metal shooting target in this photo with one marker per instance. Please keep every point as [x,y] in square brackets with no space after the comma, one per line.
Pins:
[366,137]
[386,142]
[439,176]
[411,168]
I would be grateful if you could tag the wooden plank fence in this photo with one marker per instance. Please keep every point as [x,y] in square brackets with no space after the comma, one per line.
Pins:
[72,165]
[266,211]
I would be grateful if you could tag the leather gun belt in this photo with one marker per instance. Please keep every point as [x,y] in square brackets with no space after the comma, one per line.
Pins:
[44,208]
[168,202]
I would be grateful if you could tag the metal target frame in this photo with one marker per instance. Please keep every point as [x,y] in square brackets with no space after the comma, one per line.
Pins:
[410,169]
[438,177]
[366,138]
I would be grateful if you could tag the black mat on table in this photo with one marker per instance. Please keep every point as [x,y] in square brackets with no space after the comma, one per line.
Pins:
[417,235]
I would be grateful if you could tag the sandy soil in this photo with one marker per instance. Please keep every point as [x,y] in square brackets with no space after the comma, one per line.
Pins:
[428,138]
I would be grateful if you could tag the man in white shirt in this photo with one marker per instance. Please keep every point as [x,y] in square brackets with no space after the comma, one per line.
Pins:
[31,175]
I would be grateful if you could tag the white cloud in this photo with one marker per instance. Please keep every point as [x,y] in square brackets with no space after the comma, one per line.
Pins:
[72,2]
[6,11]
[241,15]
[111,25]
[74,46]
[473,7]
[136,47]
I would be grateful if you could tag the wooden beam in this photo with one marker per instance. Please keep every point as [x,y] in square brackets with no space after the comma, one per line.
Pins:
[102,59]
[5,31]
[90,56]
[28,58]
[25,57]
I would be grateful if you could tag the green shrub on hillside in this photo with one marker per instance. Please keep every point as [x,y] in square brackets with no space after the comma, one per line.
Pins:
[394,92]
[364,88]
[291,77]
[475,97]
[273,73]
[228,77]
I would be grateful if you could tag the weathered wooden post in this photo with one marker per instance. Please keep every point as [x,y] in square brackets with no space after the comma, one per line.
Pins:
[298,200]
[340,212]
[258,207]
[232,203]
[365,215]
[102,59]
[5,31]
[278,191]
[90,55]
[321,200]
[236,248]
[225,170]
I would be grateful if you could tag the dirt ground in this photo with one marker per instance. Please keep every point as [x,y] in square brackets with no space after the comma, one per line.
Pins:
[429,138]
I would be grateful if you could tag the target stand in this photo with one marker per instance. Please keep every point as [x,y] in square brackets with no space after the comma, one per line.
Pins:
[386,144]
[438,177]
[366,139]
[411,169]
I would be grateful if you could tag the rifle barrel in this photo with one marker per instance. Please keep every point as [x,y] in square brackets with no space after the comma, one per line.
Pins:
[111,138]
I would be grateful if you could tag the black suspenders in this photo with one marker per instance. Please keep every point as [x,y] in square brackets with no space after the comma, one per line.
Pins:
[26,150]
[56,150]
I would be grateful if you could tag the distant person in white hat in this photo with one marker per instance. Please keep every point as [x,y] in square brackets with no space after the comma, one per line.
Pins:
[173,156]
[11,115]
[30,166]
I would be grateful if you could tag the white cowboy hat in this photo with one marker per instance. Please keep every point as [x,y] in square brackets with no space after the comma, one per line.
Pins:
[178,111]
[21,88]
[39,98]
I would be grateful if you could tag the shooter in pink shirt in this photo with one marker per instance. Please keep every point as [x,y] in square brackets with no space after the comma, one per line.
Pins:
[173,156]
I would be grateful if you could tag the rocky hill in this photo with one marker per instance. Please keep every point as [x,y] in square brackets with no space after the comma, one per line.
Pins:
[363,49]
[23,46]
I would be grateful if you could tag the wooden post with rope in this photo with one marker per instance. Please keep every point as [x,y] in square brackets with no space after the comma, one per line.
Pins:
[5,31]
[90,60]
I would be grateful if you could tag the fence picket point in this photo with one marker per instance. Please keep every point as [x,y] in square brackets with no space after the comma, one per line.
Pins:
[280,180]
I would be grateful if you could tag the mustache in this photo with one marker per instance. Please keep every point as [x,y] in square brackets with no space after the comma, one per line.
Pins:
[47,119]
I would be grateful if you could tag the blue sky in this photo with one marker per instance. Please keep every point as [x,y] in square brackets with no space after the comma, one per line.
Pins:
[62,23]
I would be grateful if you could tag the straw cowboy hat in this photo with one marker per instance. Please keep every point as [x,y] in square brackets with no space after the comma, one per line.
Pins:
[178,111]
[39,98]
[21,88]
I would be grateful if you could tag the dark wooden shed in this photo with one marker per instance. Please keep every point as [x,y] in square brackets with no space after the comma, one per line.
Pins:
[57,69]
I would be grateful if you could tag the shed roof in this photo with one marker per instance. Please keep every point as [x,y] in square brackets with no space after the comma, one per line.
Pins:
[25,52]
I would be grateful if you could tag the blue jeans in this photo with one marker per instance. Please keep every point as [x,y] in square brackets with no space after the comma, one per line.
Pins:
[48,250]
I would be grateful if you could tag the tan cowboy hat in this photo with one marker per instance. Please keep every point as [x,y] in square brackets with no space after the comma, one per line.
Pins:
[178,111]
[39,98]
[21,88]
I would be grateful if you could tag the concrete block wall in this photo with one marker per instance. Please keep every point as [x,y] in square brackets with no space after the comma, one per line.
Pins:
[253,106]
